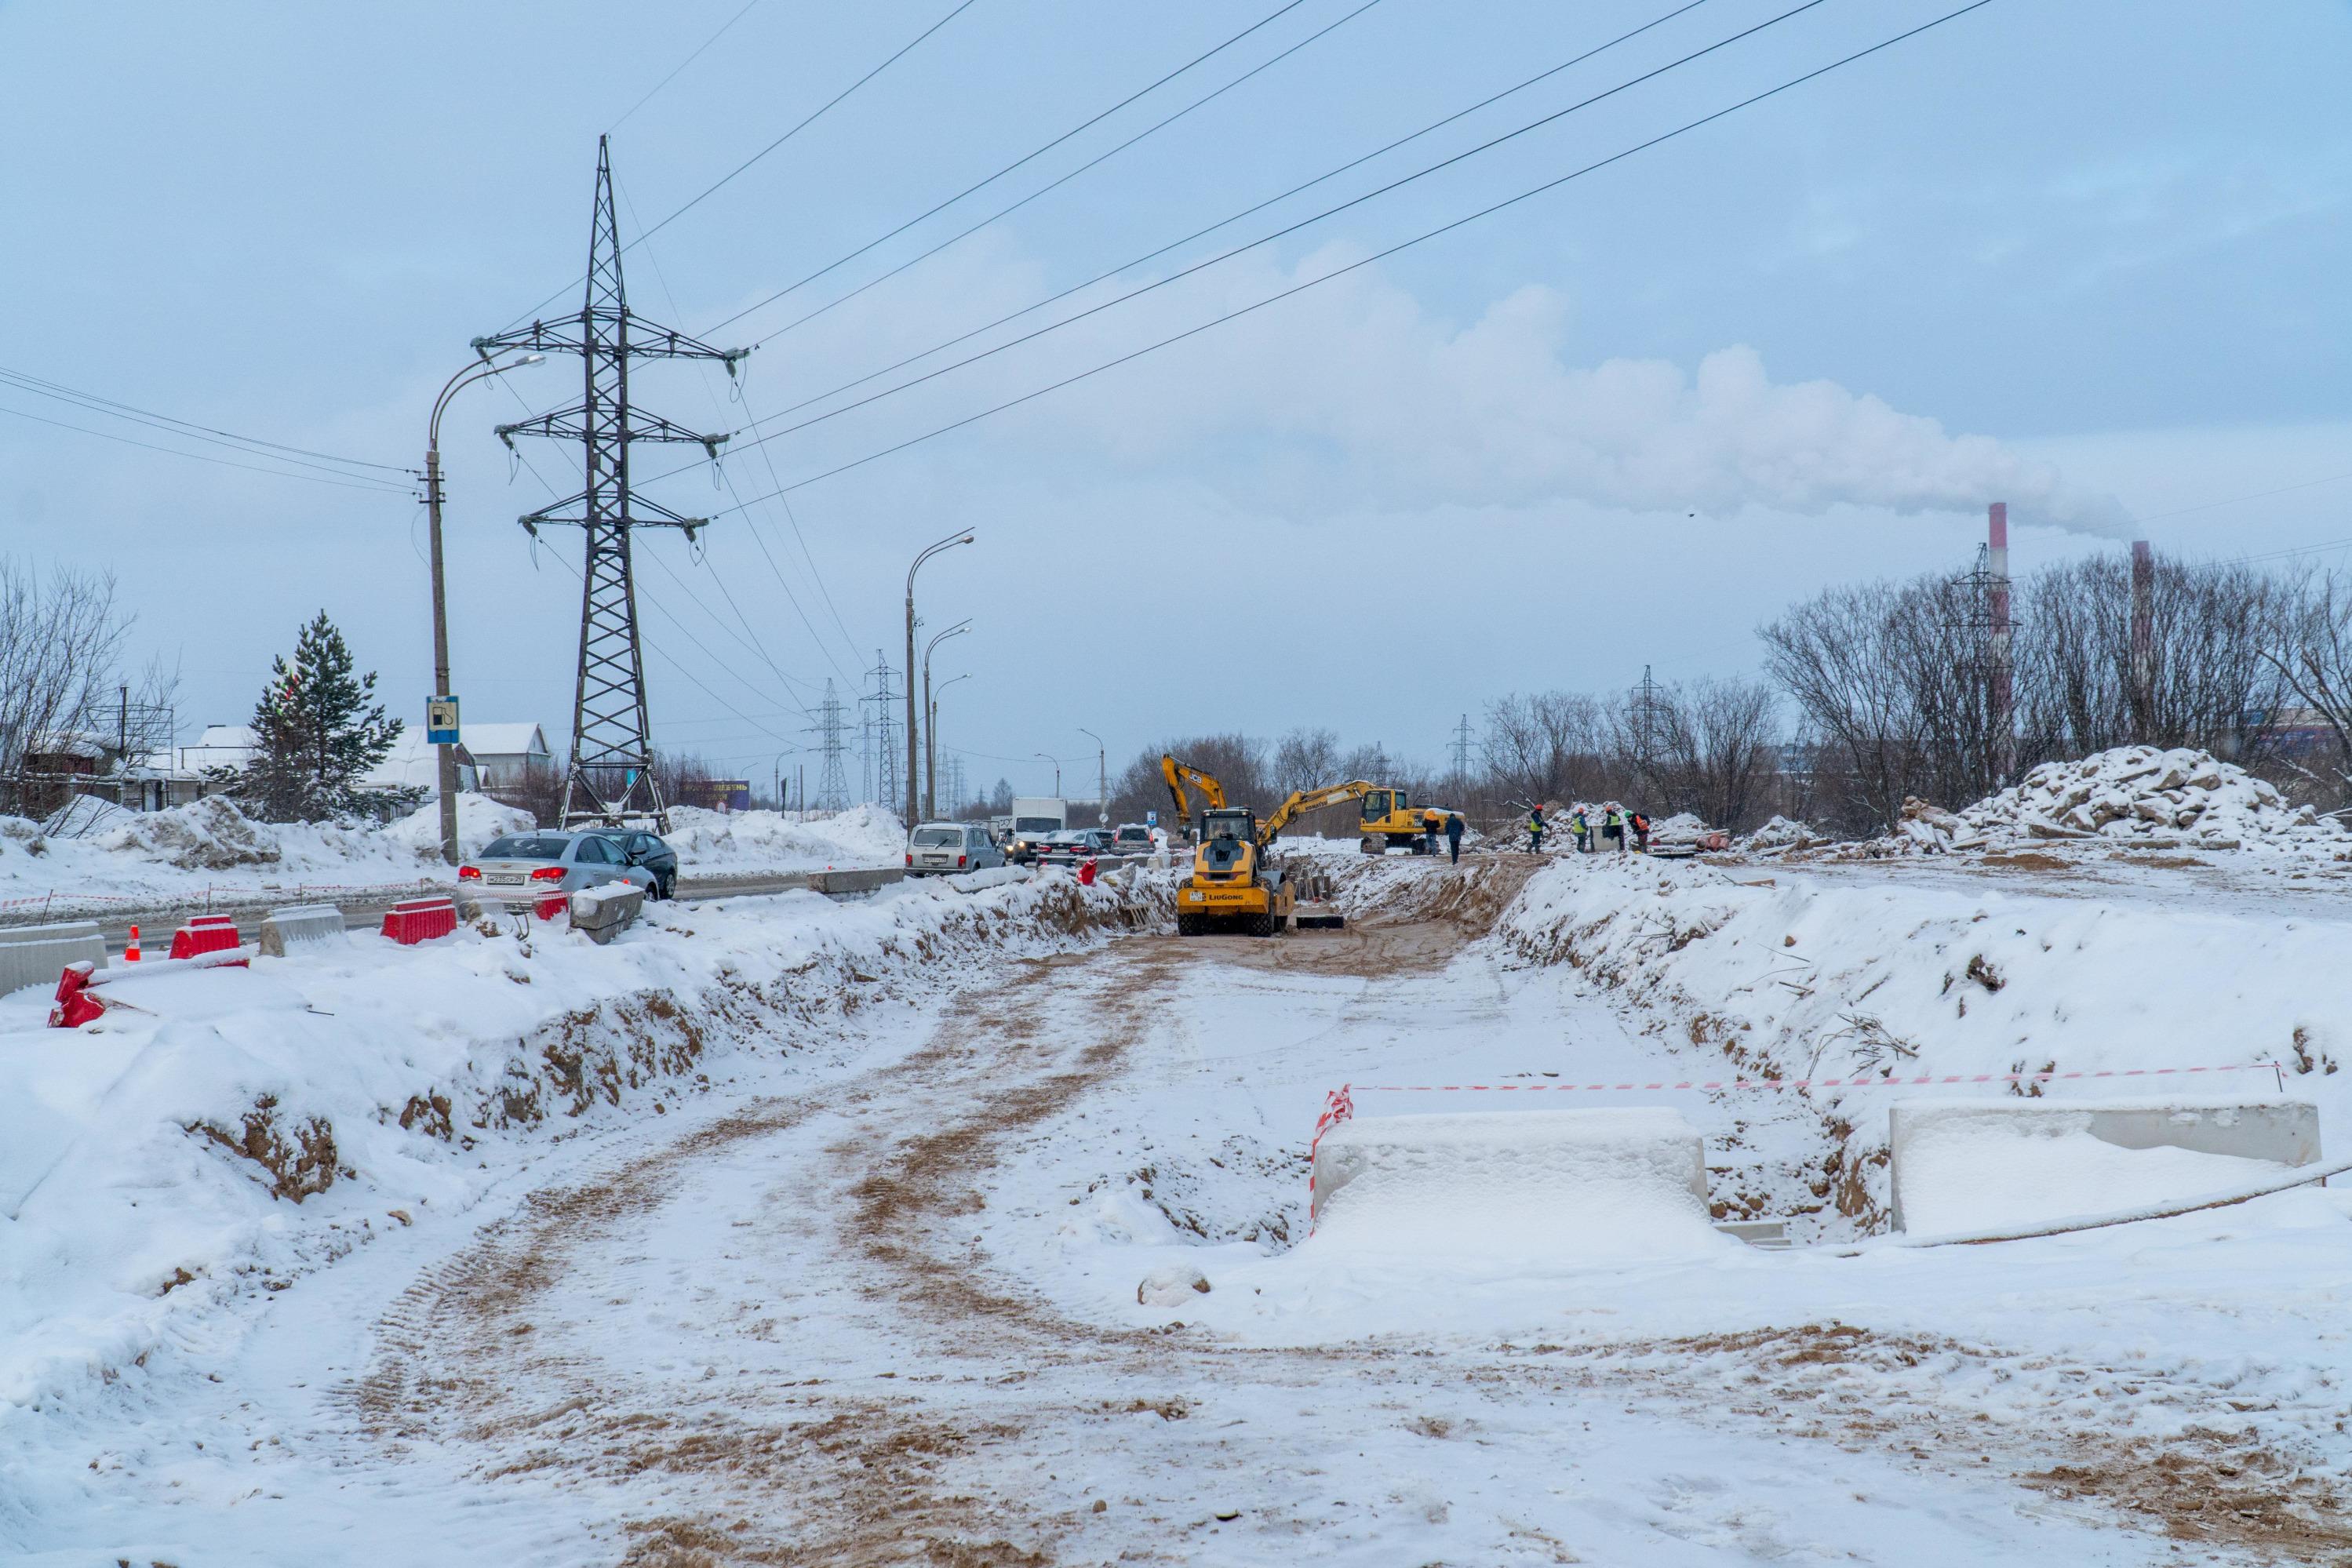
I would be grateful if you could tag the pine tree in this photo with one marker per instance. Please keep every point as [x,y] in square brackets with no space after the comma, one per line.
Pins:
[317,734]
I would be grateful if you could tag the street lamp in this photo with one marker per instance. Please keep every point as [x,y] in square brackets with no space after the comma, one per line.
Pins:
[931,746]
[1058,772]
[932,714]
[1102,780]
[780,779]
[948,543]
[481,369]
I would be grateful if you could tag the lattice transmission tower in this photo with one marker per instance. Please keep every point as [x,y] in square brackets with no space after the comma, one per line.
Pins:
[881,726]
[833,778]
[610,777]
[1462,754]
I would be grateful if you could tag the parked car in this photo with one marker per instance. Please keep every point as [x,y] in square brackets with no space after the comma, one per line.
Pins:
[1070,847]
[1131,839]
[547,864]
[645,849]
[942,849]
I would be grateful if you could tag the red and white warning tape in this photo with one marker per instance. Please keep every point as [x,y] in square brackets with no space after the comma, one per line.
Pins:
[1865,1083]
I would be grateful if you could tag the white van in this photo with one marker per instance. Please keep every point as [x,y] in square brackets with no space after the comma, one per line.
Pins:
[1035,818]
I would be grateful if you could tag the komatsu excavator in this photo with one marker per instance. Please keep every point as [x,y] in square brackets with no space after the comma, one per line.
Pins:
[1238,883]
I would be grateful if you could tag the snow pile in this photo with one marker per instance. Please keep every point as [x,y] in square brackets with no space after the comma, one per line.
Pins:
[775,840]
[1985,1170]
[1781,833]
[210,834]
[479,820]
[239,1128]
[2136,795]
[1595,1187]
[1682,828]
[82,816]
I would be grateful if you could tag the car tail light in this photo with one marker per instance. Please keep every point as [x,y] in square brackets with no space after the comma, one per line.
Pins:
[547,873]
[910,857]
[963,859]
[470,873]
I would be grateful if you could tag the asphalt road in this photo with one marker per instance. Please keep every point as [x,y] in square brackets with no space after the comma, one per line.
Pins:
[155,926]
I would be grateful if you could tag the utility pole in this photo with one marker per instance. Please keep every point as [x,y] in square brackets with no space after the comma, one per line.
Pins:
[1102,779]
[611,777]
[928,552]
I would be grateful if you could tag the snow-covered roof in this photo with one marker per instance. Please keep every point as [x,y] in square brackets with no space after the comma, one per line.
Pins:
[506,740]
[413,763]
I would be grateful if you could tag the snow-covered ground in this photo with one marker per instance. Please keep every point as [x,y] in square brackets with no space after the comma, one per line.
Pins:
[839,1259]
[113,858]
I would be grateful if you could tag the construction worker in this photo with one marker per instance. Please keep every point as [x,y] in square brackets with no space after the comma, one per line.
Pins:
[1430,829]
[1641,832]
[1536,829]
[1583,828]
[1454,836]
[1613,826]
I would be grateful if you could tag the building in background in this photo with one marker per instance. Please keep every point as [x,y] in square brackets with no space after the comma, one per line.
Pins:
[506,754]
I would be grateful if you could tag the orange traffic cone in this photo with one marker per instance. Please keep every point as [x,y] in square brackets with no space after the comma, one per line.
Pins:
[131,953]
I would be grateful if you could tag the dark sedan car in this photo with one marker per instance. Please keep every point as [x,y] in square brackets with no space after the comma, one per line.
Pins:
[645,849]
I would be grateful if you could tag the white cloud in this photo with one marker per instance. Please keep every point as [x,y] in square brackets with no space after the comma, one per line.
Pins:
[1353,394]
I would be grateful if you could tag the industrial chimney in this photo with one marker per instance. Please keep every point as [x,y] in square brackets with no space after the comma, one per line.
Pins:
[2143,636]
[2004,722]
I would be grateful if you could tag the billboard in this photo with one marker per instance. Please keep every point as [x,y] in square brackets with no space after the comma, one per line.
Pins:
[715,794]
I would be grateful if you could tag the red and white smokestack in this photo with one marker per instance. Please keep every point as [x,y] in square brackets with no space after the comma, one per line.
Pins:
[2004,725]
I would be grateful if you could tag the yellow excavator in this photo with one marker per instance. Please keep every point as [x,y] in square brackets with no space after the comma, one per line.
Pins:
[1177,774]
[1237,883]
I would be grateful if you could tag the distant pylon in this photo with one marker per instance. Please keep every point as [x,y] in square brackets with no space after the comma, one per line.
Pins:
[831,780]
[610,776]
[1462,752]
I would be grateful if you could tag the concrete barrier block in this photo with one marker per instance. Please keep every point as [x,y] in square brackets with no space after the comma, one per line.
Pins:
[834,884]
[32,954]
[1572,1186]
[601,914]
[307,925]
[1980,1164]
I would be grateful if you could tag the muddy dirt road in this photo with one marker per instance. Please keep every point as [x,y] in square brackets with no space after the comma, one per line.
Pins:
[889,1316]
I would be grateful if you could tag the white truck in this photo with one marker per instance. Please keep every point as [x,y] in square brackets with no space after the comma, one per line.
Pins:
[1034,818]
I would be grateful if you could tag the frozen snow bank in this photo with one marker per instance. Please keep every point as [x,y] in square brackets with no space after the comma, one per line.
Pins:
[1853,972]
[1960,1169]
[240,1128]
[773,840]
[1600,1186]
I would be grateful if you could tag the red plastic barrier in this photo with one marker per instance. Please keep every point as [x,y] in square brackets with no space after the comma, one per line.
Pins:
[420,920]
[1085,873]
[205,934]
[74,1005]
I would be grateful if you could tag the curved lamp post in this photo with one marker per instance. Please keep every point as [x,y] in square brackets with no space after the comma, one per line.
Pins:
[479,370]
[931,746]
[1102,779]
[928,552]
[931,713]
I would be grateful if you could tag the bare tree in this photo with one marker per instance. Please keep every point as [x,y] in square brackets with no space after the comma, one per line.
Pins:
[1706,747]
[1307,759]
[2312,660]
[1541,745]
[60,637]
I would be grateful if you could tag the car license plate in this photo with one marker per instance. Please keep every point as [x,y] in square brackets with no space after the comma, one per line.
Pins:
[507,878]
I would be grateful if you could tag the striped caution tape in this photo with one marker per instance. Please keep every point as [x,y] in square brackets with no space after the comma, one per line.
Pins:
[1863,1082]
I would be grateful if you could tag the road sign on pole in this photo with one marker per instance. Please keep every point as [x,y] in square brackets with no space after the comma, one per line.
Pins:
[440,721]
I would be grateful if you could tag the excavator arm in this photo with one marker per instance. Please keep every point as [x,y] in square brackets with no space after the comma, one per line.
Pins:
[1307,800]
[1177,774]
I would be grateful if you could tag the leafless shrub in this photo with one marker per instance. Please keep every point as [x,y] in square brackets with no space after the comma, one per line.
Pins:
[60,637]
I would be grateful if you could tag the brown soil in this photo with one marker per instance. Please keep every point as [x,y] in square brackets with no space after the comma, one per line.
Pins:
[795,1472]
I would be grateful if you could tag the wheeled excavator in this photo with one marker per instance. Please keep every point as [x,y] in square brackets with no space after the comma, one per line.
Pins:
[1238,883]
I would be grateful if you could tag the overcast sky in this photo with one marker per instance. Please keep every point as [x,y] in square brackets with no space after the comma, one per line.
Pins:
[2088,257]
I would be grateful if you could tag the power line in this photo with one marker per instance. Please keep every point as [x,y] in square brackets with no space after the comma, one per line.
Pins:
[43,386]
[2233,500]
[1047,189]
[689,59]
[1392,250]
[1017,162]
[805,122]
[751,523]
[1228,255]
[354,482]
